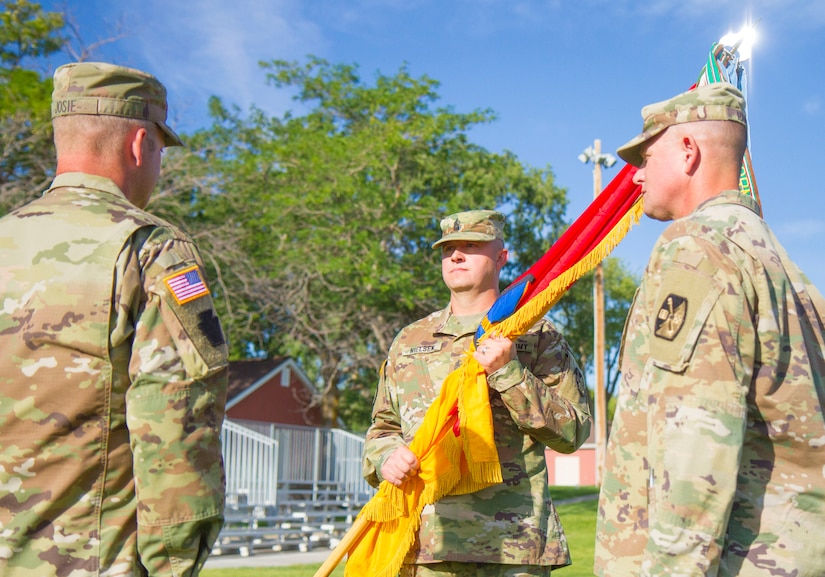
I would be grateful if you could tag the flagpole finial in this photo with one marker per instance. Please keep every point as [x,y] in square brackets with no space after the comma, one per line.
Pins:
[741,42]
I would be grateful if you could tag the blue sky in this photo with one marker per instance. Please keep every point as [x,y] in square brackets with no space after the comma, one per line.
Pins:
[558,73]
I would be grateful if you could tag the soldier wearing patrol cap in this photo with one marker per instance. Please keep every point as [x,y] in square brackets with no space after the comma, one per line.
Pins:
[715,461]
[478,225]
[112,359]
[538,399]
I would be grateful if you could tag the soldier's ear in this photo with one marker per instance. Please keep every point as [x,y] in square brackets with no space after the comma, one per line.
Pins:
[690,154]
[139,143]
[503,256]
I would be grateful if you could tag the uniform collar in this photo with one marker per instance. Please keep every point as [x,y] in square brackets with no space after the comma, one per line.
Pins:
[449,324]
[731,197]
[83,180]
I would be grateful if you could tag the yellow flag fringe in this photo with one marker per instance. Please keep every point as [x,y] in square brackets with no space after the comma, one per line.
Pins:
[448,465]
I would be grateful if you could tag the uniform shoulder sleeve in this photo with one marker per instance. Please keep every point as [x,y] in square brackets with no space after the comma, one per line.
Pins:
[175,406]
[544,390]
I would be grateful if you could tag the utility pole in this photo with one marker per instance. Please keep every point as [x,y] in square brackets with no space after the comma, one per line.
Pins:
[594,154]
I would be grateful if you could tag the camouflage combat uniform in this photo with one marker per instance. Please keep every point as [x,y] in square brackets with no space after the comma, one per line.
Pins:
[112,390]
[715,463]
[539,399]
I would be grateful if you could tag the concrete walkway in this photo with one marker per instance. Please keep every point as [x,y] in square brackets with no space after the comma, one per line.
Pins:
[264,559]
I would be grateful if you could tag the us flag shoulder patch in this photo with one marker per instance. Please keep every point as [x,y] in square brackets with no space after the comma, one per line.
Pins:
[186,285]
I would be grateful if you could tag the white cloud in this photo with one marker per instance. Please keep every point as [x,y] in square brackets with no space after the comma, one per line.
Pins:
[812,106]
[801,229]
[204,48]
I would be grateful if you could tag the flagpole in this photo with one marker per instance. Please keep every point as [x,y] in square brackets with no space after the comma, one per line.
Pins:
[350,537]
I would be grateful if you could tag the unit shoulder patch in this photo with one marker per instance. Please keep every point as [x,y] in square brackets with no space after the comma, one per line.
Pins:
[684,304]
[671,316]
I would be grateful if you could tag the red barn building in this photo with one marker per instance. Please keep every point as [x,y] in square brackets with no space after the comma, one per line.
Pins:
[575,470]
[271,391]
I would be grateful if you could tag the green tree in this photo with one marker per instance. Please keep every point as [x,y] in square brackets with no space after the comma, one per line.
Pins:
[322,229]
[27,33]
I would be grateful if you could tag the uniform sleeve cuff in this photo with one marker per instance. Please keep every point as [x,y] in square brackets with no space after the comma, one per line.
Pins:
[506,377]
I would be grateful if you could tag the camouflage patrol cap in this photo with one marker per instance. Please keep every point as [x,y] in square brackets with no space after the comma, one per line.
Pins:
[102,89]
[480,225]
[715,101]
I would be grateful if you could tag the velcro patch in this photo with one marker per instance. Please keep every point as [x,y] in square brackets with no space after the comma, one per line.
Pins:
[210,326]
[681,317]
[186,285]
[671,317]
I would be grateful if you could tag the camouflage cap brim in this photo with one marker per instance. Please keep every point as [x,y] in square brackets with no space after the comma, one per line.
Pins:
[477,236]
[170,137]
[631,152]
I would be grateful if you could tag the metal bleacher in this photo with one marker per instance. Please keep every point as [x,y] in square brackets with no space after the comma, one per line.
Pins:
[289,487]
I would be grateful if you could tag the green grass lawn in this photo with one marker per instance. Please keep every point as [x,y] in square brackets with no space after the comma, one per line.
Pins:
[578,519]
[579,522]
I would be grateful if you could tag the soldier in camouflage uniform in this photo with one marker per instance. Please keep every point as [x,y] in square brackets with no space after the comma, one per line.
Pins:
[715,463]
[112,359]
[538,399]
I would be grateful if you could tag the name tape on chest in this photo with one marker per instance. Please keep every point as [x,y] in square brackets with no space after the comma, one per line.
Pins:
[186,285]
[421,349]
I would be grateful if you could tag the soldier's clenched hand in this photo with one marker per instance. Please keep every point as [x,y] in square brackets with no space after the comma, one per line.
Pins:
[399,466]
[495,352]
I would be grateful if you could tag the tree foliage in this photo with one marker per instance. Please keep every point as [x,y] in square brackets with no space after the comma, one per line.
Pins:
[574,312]
[26,31]
[26,151]
[324,221]
[317,227]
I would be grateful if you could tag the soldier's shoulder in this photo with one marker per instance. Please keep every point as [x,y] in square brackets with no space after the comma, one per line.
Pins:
[718,217]
[91,202]
[417,331]
[542,330]
[718,241]
[544,324]
[427,324]
[699,235]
